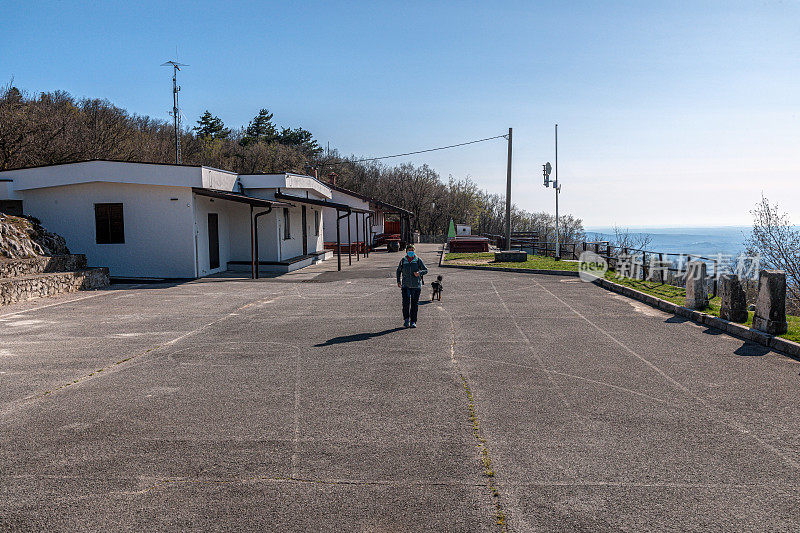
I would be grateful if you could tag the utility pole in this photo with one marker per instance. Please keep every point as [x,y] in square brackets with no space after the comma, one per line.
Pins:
[508,194]
[176,111]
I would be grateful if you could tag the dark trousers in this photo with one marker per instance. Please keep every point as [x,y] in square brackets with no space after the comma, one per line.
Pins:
[410,303]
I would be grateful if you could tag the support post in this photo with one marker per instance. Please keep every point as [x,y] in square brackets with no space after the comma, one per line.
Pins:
[508,193]
[252,246]
[358,246]
[349,241]
[338,243]
[255,240]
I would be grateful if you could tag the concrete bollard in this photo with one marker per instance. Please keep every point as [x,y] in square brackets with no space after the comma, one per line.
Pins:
[770,315]
[510,256]
[696,294]
[734,302]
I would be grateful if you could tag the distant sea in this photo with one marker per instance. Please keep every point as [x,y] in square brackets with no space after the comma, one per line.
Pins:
[704,241]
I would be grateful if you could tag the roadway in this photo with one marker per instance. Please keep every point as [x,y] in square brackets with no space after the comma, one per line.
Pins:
[299,403]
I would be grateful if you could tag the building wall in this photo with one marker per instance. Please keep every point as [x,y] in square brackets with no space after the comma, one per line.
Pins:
[293,247]
[330,218]
[271,230]
[158,225]
[377,222]
[234,232]
[113,172]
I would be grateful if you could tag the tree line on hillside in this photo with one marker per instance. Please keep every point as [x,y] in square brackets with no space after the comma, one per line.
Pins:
[56,127]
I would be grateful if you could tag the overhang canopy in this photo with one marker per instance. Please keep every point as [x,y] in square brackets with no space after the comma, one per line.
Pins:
[236,197]
[322,203]
[389,208]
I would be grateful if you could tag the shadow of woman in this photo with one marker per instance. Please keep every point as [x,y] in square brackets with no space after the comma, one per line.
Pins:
[357,337]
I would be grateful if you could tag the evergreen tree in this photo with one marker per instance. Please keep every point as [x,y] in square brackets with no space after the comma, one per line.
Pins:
[299,138]
[211,127]
[260,129]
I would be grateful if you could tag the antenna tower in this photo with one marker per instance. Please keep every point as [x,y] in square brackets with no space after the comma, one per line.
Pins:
[176,110]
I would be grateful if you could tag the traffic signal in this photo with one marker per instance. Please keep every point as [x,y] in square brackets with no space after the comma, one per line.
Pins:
[546,169]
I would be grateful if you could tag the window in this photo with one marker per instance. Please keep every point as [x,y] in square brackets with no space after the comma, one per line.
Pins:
[109,225]
[316,222]
[287,232]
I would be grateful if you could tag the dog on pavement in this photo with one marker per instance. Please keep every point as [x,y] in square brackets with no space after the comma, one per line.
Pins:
[437,289]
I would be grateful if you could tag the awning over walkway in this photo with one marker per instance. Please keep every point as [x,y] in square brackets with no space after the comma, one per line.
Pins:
[389,208]
[321,203]
[238,197]
[348,210]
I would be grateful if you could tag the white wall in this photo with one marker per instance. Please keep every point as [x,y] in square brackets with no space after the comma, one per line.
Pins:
[158,221]
[221,180]
[284,182]
[105,171]
[234,232]
[7,191]
[293,247]
[377,222]
[330,218]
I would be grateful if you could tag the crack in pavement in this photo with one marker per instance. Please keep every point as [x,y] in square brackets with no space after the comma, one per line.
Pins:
[716,413]
[14,405]
[480,440]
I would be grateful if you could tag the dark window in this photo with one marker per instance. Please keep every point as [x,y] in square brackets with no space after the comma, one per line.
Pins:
[316,222]
[109,223]
[287,233]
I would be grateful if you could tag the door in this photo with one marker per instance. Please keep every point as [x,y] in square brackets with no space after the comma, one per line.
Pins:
[305,232]
[213,240]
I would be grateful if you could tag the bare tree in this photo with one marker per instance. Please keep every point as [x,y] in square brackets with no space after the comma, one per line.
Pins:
[624,239]
[777,242]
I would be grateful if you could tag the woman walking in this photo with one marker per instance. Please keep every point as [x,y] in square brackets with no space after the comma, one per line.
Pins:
[409,279]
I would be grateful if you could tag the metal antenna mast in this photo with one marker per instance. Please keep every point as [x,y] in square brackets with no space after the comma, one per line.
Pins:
[176,110]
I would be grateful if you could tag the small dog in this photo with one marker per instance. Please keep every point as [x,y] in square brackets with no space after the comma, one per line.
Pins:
[437,289]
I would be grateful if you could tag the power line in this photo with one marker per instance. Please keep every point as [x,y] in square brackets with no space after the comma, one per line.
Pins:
[505,136]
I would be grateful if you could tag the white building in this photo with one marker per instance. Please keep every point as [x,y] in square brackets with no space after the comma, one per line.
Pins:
[146,220]
[463,229]
[364,227]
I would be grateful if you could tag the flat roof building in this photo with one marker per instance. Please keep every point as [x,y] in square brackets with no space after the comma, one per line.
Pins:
[149,220]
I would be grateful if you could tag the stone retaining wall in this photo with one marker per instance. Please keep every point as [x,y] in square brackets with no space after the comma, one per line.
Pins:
[12,268]
[39,285]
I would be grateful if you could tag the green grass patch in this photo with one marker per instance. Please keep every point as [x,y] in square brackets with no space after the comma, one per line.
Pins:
[534,262]
[473,256]
[677,295]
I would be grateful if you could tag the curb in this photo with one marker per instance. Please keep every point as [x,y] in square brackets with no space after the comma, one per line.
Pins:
[788,347]
[571,273]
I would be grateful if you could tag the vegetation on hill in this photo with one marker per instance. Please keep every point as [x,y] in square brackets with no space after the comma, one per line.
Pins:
[57,127]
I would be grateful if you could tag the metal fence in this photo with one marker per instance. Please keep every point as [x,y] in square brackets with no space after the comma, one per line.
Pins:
[650,265]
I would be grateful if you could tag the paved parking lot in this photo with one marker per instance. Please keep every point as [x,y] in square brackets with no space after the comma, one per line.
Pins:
[298,404]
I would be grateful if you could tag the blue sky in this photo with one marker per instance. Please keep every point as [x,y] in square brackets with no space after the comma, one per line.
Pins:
[670,113]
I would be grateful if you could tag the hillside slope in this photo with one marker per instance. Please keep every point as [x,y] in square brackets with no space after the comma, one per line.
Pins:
[21,238]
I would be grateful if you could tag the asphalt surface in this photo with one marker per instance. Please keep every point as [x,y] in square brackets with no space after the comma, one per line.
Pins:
[298,404]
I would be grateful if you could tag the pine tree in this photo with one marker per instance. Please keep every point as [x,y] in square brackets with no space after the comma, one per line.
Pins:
[300,138]
[260,129]
[211,127]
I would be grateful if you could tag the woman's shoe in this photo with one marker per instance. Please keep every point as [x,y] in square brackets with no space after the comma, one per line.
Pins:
[413,324]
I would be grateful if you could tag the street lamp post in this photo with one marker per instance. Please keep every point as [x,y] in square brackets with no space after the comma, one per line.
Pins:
[547,168]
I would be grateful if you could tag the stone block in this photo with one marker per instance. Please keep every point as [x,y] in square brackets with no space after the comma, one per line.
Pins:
[734,302]
[510,256]
[696,294]
[770,315]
